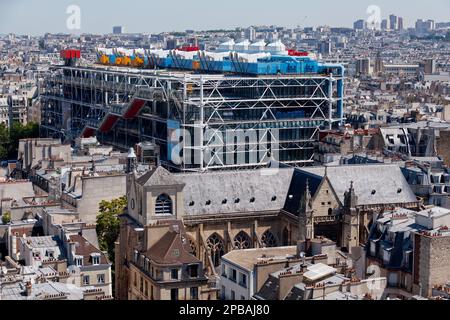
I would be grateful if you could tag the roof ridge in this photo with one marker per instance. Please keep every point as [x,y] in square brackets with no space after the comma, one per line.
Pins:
[172,243]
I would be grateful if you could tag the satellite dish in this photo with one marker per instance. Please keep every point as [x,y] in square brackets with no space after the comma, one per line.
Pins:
[302,254]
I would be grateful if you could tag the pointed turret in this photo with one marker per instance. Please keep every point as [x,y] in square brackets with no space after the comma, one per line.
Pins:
[305,220]
[350,231]
[350,198]
[305,202]
[131,161]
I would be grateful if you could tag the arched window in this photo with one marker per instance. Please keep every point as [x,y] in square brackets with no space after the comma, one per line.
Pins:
[330,212]
[268,239]
[242,241]
[163,205]
[216,245]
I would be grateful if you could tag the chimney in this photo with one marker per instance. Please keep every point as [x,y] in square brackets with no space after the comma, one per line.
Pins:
[28,288]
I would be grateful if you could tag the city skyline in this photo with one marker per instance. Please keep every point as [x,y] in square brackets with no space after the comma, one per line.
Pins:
[100,17]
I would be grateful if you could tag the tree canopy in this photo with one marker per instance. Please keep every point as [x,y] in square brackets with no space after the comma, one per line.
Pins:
[4,141]
[9,138]
[6,217]
[108,224]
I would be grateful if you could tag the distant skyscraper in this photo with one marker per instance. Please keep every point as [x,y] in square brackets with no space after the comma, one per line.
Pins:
[118,29]
[379,64]
[425,26]
[393,22]
[193,41]
[429,66]
[431,24]
[360,25]
[325,47]
[171,44]
[400,24]
[384,25]
[363,66]
[250,34]
[419,25]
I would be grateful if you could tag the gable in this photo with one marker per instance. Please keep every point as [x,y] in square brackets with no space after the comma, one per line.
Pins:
[374,184]
[325,198]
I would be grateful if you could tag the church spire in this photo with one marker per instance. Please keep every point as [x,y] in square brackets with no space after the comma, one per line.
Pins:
[305,216]
[350,225]
[305,202]
[350,198]
[131,161]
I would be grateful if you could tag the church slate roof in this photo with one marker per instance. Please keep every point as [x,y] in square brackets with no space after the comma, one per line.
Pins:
[266,190]
[374,184]
[225,192]
[157,177]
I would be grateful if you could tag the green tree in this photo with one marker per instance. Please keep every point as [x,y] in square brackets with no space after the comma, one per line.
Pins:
[9,137]
[6,217]
[19,131]
[4,141]
[108,228]
[108,224]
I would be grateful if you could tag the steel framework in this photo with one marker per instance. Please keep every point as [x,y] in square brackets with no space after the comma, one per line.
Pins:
[276,115]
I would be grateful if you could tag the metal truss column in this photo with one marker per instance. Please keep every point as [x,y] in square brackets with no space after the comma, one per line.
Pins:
[330,101]
[201,124]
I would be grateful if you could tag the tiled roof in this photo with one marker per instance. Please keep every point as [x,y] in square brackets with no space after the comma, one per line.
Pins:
[172,249]
[84,248]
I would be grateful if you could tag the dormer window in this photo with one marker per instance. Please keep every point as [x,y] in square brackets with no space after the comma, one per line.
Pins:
[50,254]
[95,257]
[78,261]
[193,270]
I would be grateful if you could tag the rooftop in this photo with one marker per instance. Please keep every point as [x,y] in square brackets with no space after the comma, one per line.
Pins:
[373,183]
[246,259]
[41,242]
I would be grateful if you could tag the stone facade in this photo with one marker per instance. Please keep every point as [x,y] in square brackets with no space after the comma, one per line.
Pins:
[443,146]
[433,263]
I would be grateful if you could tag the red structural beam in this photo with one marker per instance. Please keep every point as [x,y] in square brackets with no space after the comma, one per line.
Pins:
[134,109]
[108,123]
[88,132]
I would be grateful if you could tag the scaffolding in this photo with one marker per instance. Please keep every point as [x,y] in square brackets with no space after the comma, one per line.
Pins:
[233,121]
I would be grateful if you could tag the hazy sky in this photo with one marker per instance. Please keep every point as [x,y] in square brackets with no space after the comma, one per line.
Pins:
[152,16]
